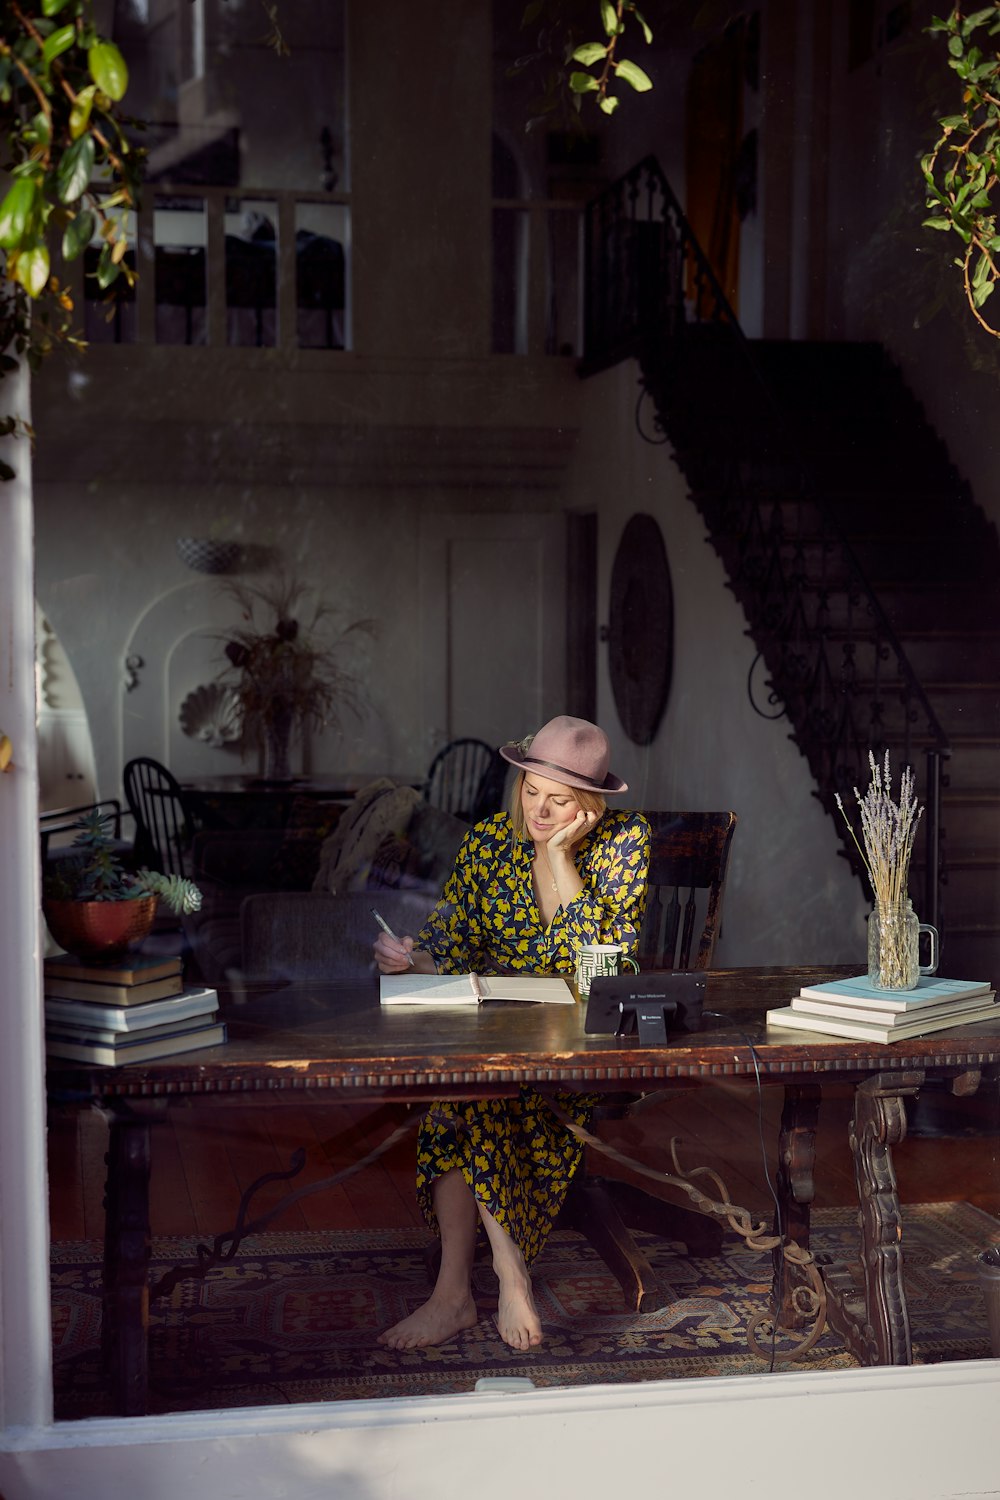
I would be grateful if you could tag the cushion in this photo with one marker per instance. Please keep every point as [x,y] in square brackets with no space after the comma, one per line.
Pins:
[394,866]
[436,837]
[378,810]
[310,823]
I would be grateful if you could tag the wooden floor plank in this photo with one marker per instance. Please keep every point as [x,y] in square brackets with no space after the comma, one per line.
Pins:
[205,1155]
[376,1193]
[307,1127]
[211,1185]
[252,1154]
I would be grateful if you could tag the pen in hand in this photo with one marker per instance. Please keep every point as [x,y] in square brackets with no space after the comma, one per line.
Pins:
[387,929]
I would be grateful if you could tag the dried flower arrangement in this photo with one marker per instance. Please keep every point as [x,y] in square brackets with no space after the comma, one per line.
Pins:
[285,666]
[888,829]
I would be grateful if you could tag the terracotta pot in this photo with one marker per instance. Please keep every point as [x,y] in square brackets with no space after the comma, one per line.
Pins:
[99,929]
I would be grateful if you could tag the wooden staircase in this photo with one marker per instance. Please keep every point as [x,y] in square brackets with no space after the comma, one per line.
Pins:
[800,455]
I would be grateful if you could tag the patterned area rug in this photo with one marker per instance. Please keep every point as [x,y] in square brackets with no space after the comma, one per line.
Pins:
[293,1317]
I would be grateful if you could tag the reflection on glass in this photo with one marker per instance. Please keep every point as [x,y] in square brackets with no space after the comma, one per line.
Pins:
[510,279]
[251,272]
[321,240]
[179,235]
[563,281]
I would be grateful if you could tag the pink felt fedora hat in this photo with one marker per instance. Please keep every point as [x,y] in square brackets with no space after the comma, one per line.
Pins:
[572,751]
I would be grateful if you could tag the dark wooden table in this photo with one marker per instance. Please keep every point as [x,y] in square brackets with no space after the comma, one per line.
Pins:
[335,1039]
[238,801]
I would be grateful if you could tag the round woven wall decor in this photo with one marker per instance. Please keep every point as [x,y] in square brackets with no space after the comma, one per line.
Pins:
[641,629]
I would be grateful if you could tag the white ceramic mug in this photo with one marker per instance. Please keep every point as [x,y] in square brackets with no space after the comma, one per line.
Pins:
[598,959]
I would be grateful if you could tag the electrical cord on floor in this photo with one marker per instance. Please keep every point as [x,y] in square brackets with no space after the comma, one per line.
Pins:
[779,1222]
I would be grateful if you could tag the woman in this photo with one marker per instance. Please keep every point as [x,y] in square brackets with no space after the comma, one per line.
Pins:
[529,887]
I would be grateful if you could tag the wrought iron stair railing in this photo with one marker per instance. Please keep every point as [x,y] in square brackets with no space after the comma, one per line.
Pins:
[833,663]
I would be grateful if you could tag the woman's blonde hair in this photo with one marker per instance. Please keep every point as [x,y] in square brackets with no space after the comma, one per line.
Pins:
[589,801]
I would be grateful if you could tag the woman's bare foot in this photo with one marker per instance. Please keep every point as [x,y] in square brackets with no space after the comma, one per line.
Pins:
[435,1322]
[517,1320]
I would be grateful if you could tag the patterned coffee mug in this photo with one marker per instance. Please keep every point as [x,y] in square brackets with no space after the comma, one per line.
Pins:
[598,959]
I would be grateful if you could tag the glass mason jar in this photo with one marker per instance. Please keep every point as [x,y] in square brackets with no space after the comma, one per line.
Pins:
[894,946]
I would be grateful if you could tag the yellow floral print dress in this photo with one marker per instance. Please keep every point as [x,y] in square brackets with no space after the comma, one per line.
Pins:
[515,1155]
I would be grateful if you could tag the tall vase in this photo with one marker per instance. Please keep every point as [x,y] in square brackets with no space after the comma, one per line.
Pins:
[894,946]
[277,742]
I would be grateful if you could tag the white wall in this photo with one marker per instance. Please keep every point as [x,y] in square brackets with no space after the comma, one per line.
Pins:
[789,892]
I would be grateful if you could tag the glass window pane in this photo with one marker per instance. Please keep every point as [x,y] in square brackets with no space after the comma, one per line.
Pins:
[179,236]
[322,238]
[251,272]
[202,79]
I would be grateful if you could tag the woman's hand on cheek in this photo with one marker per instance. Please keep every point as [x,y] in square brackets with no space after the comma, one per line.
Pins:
[567,838]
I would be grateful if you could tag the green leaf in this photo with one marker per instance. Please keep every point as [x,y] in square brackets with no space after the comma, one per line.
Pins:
[17,211]
[634,75]
[647,33]
[609,104]
[937,223]
[107,69]
[949,122]
[609,17]
[956,46]
[53,7]
[589,52]
[107,269]
[74,169]
[980,293]
[582,83]
[977,18]
[982,271]
[78,234]
[79,115]
[31,268]
[39,130]
[60,41]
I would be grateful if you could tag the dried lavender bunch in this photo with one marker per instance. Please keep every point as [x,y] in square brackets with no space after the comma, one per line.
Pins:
[888,829]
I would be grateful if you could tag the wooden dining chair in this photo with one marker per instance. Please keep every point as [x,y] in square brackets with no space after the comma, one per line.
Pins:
[164,826]
[458,775]
[688,861]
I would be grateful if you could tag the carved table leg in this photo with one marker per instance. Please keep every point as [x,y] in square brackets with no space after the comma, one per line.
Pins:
[125,1325]
[872,1318]
[795,1190]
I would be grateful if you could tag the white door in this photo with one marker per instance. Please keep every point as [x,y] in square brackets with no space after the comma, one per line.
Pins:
[493,625]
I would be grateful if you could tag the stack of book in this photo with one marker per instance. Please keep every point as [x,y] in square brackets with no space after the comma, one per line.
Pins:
[134,1010]
[855,1009]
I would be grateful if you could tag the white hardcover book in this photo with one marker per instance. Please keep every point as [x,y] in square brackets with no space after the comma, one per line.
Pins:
[787,1019]
[857,1011]
[472,989]
[930,990]
[200,1001]
[100,1036]
[138,1048]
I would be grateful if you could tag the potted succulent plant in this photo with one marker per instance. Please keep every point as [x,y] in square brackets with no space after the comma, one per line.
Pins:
[95,907]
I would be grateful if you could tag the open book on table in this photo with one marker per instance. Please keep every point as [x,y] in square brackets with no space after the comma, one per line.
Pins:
[472,989]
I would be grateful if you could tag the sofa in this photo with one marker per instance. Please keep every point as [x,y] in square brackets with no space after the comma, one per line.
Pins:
[388,844]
